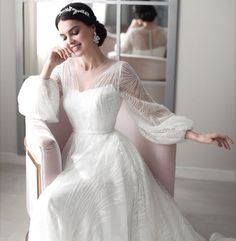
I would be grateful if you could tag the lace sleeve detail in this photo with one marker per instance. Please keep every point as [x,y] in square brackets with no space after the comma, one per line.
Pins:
[155,121]
[39,99]
[126,43]
[57,76]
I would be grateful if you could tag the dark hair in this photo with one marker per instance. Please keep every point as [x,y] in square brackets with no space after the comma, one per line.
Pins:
[145,12]
[83,13]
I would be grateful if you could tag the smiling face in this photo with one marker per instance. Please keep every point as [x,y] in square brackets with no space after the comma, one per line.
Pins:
[76,35]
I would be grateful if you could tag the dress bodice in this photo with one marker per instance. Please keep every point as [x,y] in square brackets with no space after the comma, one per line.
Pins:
[96,109]
[93,110]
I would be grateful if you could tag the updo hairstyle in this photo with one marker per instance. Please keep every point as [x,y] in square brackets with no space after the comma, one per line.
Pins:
[83,13]
[145,12]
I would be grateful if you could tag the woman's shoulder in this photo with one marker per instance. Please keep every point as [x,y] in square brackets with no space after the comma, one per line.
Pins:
[122,64]
[160,30]
[119,68]
[134,31]
[116,63]
[126,68]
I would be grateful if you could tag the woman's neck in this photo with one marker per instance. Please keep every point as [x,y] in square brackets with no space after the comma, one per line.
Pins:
[149,25]
[92,59]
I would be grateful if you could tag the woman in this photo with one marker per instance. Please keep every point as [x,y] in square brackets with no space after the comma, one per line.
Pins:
[105,192]
[144,36]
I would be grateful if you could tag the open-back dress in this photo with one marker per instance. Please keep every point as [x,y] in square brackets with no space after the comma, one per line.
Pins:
[144,41]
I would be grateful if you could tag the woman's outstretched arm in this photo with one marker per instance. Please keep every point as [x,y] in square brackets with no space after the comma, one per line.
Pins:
[218,139]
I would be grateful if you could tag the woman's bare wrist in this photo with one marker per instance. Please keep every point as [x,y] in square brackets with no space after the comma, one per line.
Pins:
[191,135]
[47,71]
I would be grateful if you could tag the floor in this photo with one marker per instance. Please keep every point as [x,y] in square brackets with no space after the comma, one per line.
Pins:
[209,206]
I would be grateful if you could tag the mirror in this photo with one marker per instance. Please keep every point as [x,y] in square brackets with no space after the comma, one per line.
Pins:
[144,30]
[143,44]
[36,35]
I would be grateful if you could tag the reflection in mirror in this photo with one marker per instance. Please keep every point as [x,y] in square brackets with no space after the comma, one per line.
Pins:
[144,30]
[143,44]
[40,33]
[143,40]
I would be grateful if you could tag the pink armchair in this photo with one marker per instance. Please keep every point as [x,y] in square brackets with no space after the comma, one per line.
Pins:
[44,143]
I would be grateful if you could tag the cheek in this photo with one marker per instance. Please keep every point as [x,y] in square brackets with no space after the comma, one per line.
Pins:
[87,37]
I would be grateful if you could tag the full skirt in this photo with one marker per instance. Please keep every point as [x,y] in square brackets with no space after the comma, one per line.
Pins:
[107,193]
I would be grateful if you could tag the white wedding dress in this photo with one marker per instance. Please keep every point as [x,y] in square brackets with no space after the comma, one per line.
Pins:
[144,41]
[105,192]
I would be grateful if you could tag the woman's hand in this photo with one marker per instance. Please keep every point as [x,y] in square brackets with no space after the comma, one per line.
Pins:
[57,56]
[220,140]
[136,23]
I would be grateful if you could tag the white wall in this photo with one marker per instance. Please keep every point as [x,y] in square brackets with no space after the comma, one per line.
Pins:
[7,78]
[206,79]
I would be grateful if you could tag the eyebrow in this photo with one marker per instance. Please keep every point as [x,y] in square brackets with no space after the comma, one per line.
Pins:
[71,29]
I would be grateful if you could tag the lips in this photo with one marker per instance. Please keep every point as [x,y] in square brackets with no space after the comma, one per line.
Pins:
[76,48]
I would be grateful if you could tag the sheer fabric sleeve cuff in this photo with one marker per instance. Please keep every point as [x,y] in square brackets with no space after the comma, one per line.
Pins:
[39,99]
[170,131]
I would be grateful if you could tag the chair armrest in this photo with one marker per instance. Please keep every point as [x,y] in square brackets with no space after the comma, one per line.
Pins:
[43,160]
[43,150]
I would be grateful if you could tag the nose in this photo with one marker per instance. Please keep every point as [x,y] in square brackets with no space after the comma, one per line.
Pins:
[70,40]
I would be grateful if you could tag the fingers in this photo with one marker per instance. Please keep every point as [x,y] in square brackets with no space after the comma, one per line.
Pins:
[223,141]
[225,144]
[64,53]
[230,140]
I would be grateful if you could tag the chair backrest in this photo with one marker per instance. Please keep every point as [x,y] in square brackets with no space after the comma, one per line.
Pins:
[159,158]
[109,44]
[61,130]
[147,68]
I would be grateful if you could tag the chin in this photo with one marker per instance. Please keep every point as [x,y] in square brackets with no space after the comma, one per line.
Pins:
[77,54]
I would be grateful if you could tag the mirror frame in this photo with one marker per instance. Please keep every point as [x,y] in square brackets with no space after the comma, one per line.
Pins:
[170,83]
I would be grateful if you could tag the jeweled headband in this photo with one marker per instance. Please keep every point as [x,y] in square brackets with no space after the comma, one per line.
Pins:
[74,10]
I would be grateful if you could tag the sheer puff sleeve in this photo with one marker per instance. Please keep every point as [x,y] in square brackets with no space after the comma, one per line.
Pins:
[155,121]
[39,98]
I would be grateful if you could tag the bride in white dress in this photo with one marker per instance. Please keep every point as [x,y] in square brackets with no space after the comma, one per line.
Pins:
[105,192]
[144,36]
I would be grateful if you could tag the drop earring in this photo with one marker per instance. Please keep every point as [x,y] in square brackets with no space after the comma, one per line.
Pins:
[96,38]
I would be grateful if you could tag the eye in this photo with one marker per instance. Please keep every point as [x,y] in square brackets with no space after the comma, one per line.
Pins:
[63,38]
[75,32]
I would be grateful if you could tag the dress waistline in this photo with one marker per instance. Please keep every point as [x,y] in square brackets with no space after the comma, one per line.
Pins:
[92,132]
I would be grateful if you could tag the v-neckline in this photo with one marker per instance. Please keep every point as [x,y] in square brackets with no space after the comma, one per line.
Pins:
[90,89]
[95,79]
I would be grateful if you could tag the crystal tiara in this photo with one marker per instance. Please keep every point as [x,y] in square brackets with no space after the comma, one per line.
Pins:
[74,10]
